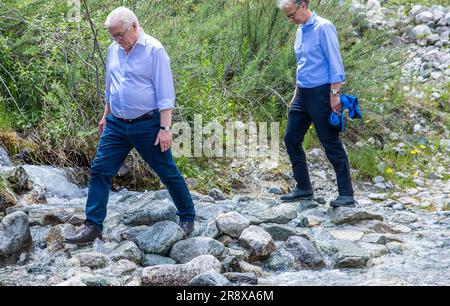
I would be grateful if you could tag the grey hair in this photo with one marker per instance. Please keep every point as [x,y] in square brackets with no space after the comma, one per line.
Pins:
[121,15]
[282,4]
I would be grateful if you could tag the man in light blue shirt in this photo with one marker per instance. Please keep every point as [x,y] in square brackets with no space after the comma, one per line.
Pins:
[320,73]
[139,96]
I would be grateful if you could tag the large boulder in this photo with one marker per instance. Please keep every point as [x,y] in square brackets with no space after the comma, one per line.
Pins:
[344,215]
[148,211]
[185,250]
[179,275]
[232,223]
[257,241]
[305,252]
[160,237]
[15,237]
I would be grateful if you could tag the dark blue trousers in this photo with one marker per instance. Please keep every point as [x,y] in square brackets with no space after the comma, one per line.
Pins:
[116,142]
[312,105]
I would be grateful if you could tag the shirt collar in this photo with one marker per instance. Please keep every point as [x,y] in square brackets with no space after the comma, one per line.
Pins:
[141,39]
[310,20]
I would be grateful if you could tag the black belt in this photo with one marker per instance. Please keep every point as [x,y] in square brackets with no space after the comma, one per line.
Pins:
[146,115]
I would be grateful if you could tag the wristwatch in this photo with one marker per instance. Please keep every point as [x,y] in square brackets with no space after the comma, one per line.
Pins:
[166,128]
[335,91]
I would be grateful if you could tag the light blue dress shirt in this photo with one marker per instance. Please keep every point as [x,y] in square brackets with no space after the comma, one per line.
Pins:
[317,51]
[139,81]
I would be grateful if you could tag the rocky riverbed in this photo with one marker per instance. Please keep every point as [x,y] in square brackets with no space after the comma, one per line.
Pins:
[250,239]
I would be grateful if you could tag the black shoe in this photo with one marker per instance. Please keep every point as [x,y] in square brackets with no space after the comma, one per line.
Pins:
[187,226]
[343,201]
[87,235]
[298,194]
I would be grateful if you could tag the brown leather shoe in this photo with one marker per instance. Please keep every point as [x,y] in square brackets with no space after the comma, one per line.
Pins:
[187,226]
[87,235]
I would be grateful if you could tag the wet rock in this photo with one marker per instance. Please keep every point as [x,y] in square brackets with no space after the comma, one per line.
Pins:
[246,267]
[257,241]
[155,260]
[374,250]
[232,223]
[231,258]
[93,260]
[185,250]
[179,275]
[4,158]
[127,250]
[160,237]
[15,237]
[279,231]
[282,260]
[349,255]
[304,252]
[395,247]
[19,180]
[55,217]
[100,281]
[149,212]
[210,278]
[344,215]
[241,278]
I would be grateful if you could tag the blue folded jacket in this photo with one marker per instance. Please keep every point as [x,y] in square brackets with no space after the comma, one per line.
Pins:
[349,103]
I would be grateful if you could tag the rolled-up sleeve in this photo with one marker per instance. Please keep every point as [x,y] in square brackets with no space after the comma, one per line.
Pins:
[163,80]
[330,47]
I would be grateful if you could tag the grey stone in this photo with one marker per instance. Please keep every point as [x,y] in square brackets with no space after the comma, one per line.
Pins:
[93,260]
[275,190]
[424,17]
[403,217]
[15,237]
[155,260]
[210,278]
[179,275]
[421,31]
[185,250]
[205,229]
[121,268]
[349,255]
[257,241]
[127,250]
[374,250]
[132,233]
[344,215]
[149,212]
[305,252]
[279,231]
[232,223]
[160,237]
[268,212]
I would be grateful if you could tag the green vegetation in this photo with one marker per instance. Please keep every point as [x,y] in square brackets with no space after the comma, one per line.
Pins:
[232,60]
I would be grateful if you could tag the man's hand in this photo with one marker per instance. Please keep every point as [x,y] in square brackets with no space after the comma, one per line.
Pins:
[336,104]
[101,125]
[164,139]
